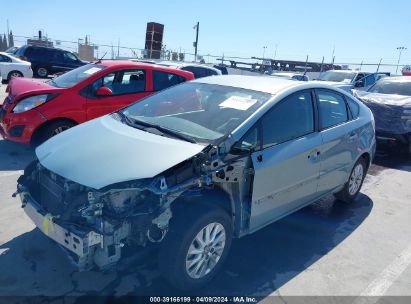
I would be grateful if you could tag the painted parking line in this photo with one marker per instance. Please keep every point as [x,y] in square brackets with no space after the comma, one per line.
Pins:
[379,286]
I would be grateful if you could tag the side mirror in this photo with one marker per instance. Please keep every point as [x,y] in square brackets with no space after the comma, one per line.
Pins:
[239,149]
[104,91]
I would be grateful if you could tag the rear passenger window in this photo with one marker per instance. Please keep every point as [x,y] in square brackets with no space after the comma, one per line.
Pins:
[354,107]
[163,80]
[129,82]
[197,71]
[332,108]
[293,117]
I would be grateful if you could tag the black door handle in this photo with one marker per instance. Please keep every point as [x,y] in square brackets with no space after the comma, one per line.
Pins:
[260,158]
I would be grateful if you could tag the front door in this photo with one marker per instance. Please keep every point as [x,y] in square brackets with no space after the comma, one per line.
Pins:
[126,86]
[286,169]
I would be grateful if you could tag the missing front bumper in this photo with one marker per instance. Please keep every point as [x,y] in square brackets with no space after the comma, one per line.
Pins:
[74,240]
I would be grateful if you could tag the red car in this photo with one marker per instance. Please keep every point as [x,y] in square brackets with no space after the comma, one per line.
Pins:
[34,111]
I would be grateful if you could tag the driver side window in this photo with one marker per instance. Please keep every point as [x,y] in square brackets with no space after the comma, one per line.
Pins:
[122,82]
[106,81]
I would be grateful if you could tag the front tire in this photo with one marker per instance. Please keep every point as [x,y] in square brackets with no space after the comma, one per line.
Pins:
[196,247]
[54,129]
[354,183]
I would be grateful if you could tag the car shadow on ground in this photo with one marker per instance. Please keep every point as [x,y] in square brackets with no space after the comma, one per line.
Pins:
[261,263]
[14,156]
[257,265]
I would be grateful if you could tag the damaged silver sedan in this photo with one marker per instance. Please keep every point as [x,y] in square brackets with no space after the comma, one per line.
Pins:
[195,166]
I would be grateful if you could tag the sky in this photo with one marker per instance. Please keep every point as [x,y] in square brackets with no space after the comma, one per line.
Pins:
[357,31]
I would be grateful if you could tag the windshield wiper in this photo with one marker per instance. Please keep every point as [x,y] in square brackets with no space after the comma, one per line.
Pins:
[146,126]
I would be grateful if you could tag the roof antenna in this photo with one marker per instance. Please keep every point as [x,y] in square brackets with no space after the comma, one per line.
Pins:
[99,60]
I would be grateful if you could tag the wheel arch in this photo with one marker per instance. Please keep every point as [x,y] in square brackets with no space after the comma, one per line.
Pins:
[214,197]
[367,157]
[13,71]
[37,132]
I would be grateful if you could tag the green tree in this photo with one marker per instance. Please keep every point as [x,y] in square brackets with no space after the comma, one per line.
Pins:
[11,39]
[5,47]
[1,44]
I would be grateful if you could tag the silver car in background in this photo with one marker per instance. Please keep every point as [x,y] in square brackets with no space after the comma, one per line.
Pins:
[194,166]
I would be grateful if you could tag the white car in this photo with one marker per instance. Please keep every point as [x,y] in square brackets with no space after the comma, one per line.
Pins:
[11,66]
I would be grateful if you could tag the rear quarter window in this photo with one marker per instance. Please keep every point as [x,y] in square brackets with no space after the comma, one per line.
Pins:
[354,107]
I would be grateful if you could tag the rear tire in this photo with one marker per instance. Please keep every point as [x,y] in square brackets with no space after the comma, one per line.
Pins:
[42,72]
[354,183]
[54,129]
[182,251]
[14,74]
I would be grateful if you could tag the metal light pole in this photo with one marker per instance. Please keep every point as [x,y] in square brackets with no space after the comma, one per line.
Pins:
[400,48]
[197,27]
[264,47]
[275,52]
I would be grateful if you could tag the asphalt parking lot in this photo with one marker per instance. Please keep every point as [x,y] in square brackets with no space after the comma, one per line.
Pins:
[327,249]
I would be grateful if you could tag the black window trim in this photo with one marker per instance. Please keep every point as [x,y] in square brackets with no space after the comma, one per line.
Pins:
[352,118]
[90,95]
[160,71]
[347,108]
[258,124]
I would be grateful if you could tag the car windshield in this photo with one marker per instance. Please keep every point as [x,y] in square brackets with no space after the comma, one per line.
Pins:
[203,112]
[392,87]
[337,76]
[75,76]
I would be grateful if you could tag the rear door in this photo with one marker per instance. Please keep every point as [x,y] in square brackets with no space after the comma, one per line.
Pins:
[339,136]
[127,86]
[287,165]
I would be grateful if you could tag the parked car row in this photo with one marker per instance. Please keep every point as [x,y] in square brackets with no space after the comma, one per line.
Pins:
[348,79]
[191,167]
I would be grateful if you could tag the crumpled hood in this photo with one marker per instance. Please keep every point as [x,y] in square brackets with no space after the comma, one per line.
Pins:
[105,151]
[388,110]
[385,99]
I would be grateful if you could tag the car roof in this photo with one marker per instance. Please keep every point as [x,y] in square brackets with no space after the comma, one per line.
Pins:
[184,64]
[397,79]
[143,65]
[265,84]
[348,71]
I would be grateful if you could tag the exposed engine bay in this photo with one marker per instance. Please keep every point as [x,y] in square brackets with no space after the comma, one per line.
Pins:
[94,225]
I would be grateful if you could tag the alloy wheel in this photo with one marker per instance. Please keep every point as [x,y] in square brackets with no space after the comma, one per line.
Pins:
[205,250]
[356,179]
[58,130]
